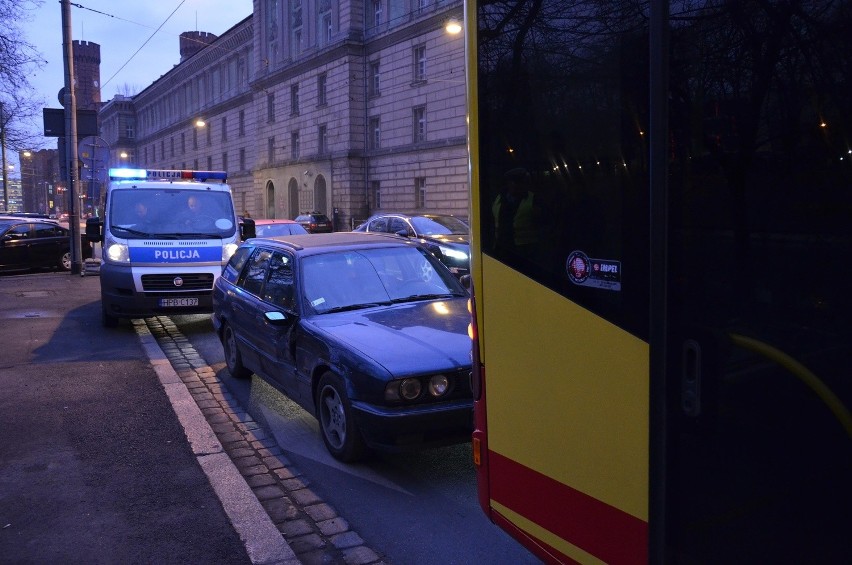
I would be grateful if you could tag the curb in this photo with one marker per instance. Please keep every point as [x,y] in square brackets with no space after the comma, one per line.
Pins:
[263,542]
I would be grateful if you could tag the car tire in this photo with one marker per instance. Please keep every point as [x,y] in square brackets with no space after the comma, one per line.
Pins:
[106,320]
[65,261]
[336,419]
[233,359]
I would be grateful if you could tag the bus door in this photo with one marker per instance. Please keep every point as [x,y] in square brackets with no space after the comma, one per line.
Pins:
[757,449]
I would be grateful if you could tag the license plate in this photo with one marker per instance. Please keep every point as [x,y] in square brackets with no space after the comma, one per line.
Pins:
[178,302]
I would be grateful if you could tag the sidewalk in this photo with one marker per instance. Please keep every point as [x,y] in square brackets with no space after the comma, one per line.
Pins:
[105,457]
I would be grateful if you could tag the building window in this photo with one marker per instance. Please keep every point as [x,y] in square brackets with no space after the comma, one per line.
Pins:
[209,128]
[322,85]
[270,150]
[294,145]
[172,147]
[242,159]
[375,134]
[326,25]
[225,161]
[418,118]
[162,149]
[419,53]
[420,192]
[209,163]
[195,165]
[242,123]
[224,129]
[378,12]
[130,130]
[195,139]
[376,190]
[422,4]
[270,107]
[374,79]
[322,139]
[294,99]
[296,25]
[183,143]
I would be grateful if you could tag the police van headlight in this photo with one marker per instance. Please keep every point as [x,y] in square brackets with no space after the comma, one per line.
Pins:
[227,250]
[116,252]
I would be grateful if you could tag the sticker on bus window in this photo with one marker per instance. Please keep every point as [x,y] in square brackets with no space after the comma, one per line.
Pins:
[596,273]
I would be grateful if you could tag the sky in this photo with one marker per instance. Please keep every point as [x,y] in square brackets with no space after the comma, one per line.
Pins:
[121,29]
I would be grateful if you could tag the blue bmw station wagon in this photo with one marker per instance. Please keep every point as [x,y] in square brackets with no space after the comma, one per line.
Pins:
[367,332]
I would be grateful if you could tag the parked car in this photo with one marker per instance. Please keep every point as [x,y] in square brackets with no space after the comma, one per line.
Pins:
[447,237]
[315,222]
[272,228]
[366,332]
[28,243]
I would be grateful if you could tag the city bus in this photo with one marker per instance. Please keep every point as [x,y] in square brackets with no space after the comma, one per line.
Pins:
[661,240]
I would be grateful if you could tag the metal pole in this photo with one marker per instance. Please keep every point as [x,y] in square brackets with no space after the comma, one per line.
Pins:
[3,150]
[71,142]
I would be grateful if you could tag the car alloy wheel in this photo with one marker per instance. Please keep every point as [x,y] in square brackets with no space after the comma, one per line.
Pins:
[233,359]
[334,411]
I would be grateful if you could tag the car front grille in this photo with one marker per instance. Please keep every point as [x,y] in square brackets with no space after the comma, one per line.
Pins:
[189,282]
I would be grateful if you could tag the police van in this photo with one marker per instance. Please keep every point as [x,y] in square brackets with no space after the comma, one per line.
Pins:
[166,236]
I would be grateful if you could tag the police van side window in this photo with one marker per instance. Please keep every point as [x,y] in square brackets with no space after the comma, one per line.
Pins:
[235,265]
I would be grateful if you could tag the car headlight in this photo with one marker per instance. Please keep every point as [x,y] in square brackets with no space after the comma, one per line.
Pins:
[453,253]
[405,389]
[227,250]
[439,385]
[116,252]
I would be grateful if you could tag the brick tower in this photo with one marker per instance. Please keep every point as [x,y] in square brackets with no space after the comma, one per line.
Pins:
[191,42]
[87,74]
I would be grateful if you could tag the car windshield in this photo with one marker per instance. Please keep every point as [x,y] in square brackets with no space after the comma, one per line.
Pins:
[167,212]
[439,225]
[364,278]
[271,230]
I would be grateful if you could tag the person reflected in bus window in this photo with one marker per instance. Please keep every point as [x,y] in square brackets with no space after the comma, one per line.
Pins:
[516,216]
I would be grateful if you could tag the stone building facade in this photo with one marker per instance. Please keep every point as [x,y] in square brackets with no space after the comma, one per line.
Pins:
[345,107]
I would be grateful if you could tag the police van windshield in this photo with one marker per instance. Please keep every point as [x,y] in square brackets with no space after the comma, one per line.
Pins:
[161,212]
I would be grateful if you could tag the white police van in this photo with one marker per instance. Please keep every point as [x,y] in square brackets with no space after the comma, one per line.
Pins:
[166,236]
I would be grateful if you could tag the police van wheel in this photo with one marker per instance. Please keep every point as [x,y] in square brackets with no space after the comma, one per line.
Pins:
[107,320]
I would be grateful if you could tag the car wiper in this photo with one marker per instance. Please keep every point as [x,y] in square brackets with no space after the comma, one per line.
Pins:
[416,297]
[355,307]
[131,230]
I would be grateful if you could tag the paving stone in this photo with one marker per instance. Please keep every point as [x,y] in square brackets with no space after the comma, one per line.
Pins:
[360,556]
[261,481]
[333,526]
[284,473]
[240,451]
[231,437]
[256,470]
[224,428]
[346,540]
[249,461]
[219,418]
[273,462]
[280,509]
[293,484]
[268,492]
[308,553]
[305,497]
[296,528]
[202,403]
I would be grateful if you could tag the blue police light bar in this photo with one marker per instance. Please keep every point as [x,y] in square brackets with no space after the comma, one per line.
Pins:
[153,174]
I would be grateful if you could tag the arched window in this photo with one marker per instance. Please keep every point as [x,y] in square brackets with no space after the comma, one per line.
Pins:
[293,195]
[320,196]
[270,200]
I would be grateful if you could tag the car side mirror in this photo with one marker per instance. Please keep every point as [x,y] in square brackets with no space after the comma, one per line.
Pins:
[276,318]
[465,280]
[93,230]
[247,229]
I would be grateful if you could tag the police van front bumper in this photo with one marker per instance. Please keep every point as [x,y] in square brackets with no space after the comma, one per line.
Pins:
[181,291]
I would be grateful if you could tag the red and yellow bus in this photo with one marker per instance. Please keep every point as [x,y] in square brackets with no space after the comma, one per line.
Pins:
[661,221]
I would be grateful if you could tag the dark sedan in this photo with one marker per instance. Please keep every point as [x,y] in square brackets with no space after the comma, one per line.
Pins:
[447,237]
[28,243]
[367,332]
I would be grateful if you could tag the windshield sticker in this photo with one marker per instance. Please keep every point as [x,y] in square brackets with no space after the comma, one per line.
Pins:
[224,224]
[596,273]
[317,302]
